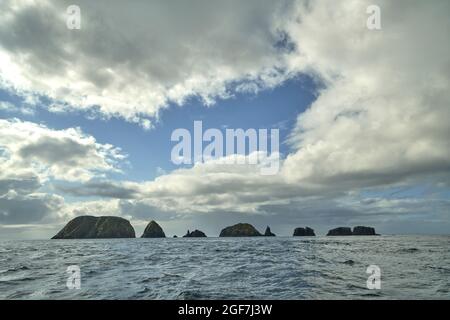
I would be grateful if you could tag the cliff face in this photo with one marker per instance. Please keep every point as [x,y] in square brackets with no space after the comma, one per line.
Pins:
[304,232]
[341,231]
[90,227]
[240,230]
[153,230]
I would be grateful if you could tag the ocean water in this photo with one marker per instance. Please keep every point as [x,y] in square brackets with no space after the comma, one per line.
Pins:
[412,267]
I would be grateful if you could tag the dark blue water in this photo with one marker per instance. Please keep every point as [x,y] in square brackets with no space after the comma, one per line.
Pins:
[412,267]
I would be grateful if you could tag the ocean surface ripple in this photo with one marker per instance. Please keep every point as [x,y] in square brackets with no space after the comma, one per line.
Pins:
[412,267]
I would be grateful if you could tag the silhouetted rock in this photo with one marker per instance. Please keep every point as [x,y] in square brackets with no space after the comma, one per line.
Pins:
[90,227]
[175,236]
[364,231]
[304,232]
[268,233]
[341,231]
[240,230]
[194,234]
[153,230]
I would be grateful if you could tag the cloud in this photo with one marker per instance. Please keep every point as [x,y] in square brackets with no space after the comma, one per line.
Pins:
[20,184]
[31,149]
[11,108]
[382,116]
[31,208]
[145,56]
[380,119]
[106,189]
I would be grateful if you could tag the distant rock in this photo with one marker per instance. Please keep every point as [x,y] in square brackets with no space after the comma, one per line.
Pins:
[268,233]
[90,227]
[153,230]
[175,236]
[240,230]
[357,231]
[364,231]
[341,231]
[194,234]
[304,232]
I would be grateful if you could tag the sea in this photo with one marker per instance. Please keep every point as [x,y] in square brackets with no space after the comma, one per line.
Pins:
[351,267]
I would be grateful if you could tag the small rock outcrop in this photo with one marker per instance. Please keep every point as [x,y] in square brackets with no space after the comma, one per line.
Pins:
[269,233]
[194,234]
[153,230]
[304,232]
[357,231]
[90,227]
[175,236]
[341,231]
[240,230]
[364,231]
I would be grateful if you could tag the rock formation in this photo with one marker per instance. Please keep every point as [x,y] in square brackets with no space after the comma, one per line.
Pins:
[194,234]
[268,233]
[341,231]
[304,232]
[153,230]
[364,231]
[90,227]
[240,230]
[357,231]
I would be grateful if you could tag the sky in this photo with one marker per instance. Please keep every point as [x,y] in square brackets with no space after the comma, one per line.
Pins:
[86,115]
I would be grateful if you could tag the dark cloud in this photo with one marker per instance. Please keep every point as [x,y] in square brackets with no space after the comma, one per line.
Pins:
[28,209]
[50,150]
[106,189]
[22,185]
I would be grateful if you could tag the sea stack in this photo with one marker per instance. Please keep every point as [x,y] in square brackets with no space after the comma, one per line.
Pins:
[357,231]
[341,231]
[240,230]
[364,231]
[268,233]
[304,232]
[153,230]
[90,227]
[194,234]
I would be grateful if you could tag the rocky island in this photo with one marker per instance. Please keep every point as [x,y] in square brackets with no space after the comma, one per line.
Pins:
[153,230]
[90,227]
[357,231]
[269,233]
[364,231]
[240,230]
[195,234]
[304,232]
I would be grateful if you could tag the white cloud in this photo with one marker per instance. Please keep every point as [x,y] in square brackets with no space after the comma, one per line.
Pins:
[131,61]
[383,115]
[29,149]
[11,108]
[381,118]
